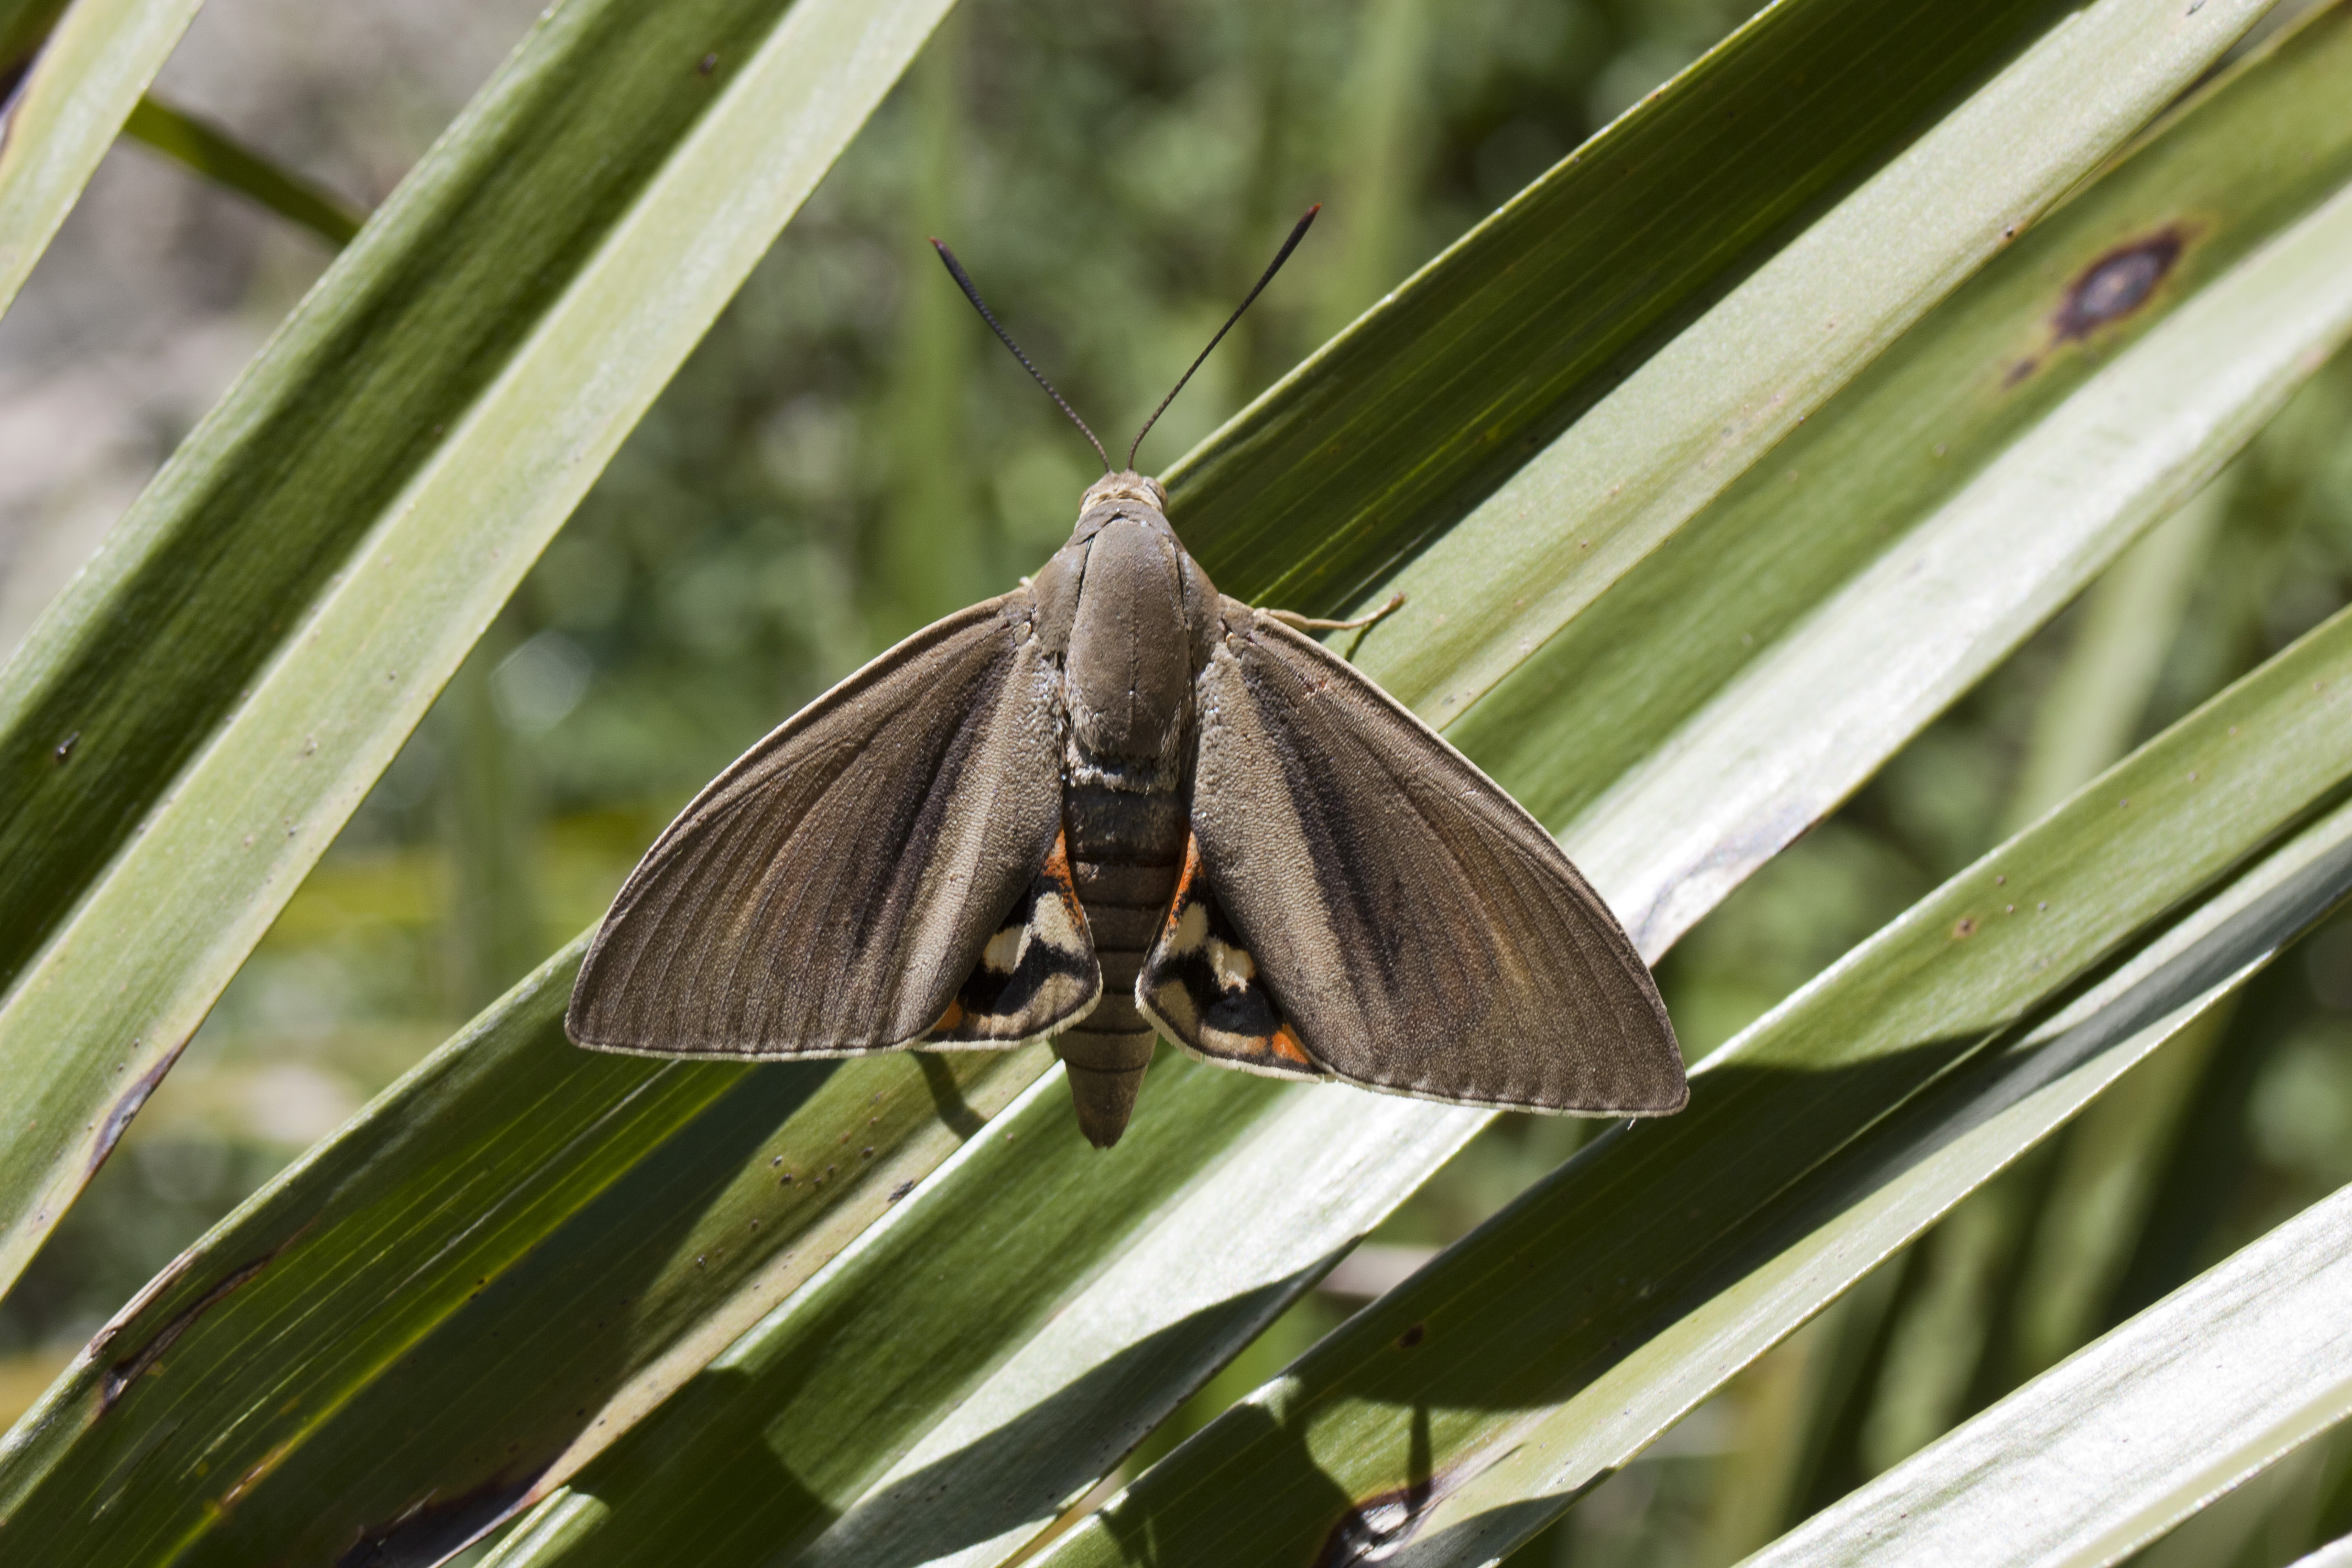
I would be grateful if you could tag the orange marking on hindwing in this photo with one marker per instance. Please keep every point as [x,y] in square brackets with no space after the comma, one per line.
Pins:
[1058,871]
[1285,1044]
[1185,880]
[950,1019]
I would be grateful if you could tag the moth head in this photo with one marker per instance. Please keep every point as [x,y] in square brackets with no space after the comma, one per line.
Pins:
[1127,485]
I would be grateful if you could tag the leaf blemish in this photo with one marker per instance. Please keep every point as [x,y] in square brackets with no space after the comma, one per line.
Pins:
[127,1371]
[2117,283]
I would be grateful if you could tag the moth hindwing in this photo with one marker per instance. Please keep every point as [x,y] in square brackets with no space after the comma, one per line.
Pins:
[1037,971]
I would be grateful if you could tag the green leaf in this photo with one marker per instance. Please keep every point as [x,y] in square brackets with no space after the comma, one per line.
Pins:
[85,66]
[471,1316]
[1466,1409]
[624,1363]
[2132,1433]
[220,157]
[301,1450]
[959,1453]
[1927,619]
[187,729]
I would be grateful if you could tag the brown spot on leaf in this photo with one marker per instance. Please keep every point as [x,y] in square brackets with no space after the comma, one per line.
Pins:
[126,1106]
[1374,1528]
[126,1372]
[1964,928]
[2117,284]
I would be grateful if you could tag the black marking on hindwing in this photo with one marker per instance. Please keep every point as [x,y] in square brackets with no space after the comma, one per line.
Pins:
[1037,973]
[1200,987]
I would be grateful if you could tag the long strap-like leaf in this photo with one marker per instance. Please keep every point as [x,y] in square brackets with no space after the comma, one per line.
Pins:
[2103,1452]
[70,77]
[190,726]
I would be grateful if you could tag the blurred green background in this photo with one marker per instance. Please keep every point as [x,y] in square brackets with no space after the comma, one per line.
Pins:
[849,456]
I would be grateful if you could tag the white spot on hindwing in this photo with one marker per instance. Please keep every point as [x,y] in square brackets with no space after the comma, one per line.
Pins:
[1232,966]
[1189,934]
[1050,922]
[1055,927]
[1005,949]
[1190,930]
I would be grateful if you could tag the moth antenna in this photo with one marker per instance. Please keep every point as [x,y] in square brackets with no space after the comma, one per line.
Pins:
[956,272]
[1296,234]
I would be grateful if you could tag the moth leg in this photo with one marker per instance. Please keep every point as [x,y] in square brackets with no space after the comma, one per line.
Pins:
[1036,974]
[1201,986]
[1299,623]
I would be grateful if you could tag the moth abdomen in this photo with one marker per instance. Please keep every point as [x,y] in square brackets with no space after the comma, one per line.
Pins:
[1109,824]
[1126,848]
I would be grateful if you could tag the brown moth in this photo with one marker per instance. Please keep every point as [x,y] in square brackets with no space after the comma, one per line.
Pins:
[1113,805]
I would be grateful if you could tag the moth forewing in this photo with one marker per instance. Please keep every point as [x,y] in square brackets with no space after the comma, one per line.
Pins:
[1417,929]
[830,893]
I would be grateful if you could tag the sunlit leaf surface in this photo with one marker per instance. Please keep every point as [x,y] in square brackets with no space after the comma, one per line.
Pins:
[318,556]
[2102,1453]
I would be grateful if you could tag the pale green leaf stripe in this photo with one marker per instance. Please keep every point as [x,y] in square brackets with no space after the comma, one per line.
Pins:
[82,86]
[95,1019]
[1654,451]
[1773,752]
[1558,1338]
[219,157]
[2127,1437]
[2336,1554]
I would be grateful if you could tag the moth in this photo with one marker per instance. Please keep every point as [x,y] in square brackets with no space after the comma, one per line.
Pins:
[1115,806]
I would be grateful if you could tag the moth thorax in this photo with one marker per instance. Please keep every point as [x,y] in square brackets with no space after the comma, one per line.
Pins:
[1128,672]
